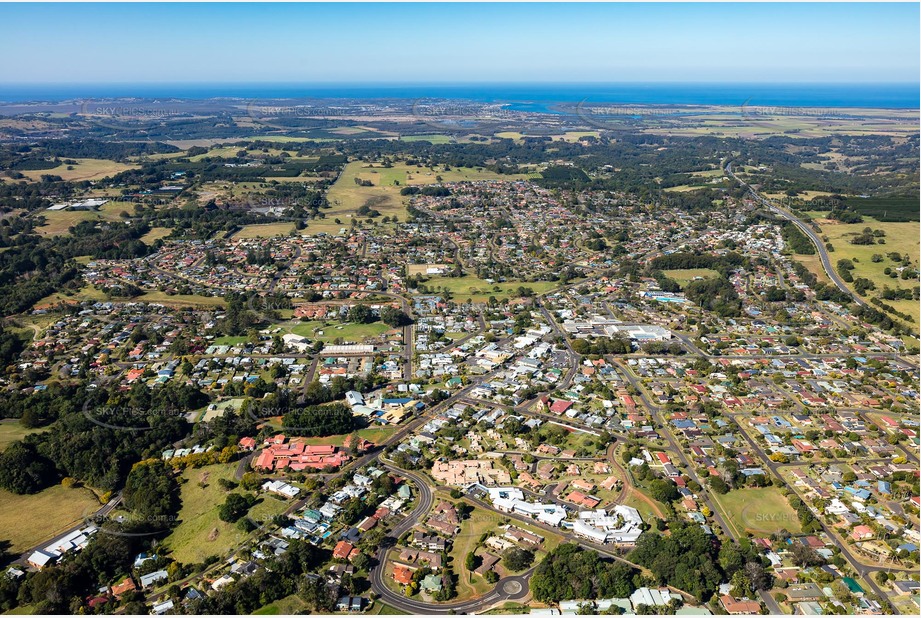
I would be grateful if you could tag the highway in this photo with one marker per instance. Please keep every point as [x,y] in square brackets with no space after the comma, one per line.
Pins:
[808,231]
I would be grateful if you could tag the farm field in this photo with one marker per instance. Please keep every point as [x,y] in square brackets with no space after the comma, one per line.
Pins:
[402,174]
[900,238]
[58,222]
[760,511]
[200,532]
[85,169]
[50,512]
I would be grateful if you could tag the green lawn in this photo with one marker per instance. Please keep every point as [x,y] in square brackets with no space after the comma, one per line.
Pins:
[287,606]
[200,533]
[335,330]
[685,275]
[759,510]
[230,340]
[265,230]
[470,287]
[26,521]
[480,521]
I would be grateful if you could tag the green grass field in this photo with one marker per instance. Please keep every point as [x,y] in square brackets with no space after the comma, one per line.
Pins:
[181,300]
[265,230]
[85,169]
[12,431]
[85,293]
[686,275]
[900,238]
[335,330]
[200,533]
[470,287]
[27,521]
[156,234]
[480,521]
[760,511]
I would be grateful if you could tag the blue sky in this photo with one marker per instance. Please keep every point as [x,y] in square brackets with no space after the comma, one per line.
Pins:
[416,43]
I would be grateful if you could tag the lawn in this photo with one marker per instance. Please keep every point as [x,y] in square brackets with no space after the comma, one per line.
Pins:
[375,434]
[334,330]
[685,275]
[761,511]
[180,300]
[156,234]
[11,431]
[470,287]
[230,340]
[87,292]
[287,606]
[480,521]
[265,230]
[27,521]
[200,532]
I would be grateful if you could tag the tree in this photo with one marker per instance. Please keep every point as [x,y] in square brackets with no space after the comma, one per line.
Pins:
[152,492]
[360,314]
[516,559]
[394,317]
[23,470]
[235,507]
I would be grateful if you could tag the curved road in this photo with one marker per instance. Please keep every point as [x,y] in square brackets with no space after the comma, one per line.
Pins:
[507,589]
[805,229]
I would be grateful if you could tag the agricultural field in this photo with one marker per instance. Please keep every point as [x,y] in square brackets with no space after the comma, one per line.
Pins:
[760,511]
[200,532]
[900,238]
[59,222]
[84,169]
[51,512]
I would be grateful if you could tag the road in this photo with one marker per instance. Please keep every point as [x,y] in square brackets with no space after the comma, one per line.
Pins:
[510,588]
[805,229]
[656,413]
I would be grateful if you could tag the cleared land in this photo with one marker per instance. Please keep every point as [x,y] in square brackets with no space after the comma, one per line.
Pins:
[759,511]
[156,234]
[475,289]
[50,512]
[200,532]
[84,169]
[900,238]
[12,431]
[265,230]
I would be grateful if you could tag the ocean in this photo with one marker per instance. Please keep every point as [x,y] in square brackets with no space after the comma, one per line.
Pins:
[521,97]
